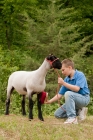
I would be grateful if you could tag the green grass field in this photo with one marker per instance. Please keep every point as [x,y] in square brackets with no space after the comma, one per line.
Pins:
[17,127]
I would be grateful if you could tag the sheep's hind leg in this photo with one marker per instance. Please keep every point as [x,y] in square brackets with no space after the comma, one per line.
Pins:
[23,105]
[39,108]
[7,106]
[8,100]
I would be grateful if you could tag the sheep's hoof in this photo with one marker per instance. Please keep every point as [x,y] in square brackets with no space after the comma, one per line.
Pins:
[24,114]
[41,119]
[6,113]
[30,119]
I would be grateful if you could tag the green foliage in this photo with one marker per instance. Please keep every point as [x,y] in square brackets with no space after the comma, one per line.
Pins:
[13,20]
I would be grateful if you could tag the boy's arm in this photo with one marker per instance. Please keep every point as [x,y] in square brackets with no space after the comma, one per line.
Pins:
[69,86]
[55,98]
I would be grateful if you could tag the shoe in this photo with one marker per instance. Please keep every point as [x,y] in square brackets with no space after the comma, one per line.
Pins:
[71,121]
[82,113]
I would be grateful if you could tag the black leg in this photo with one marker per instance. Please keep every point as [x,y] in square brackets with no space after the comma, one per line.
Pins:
[9,92]
[39,108]
[23,105]
[7,106]
[30,108]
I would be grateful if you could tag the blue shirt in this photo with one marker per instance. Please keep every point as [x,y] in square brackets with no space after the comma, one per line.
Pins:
[78,79]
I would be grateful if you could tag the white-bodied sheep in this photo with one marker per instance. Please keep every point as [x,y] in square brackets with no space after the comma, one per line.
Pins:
[28,83]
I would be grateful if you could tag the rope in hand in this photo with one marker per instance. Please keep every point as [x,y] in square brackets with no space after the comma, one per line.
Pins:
[58,88]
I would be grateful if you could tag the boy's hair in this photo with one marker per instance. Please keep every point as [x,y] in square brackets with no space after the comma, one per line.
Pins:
[68,62]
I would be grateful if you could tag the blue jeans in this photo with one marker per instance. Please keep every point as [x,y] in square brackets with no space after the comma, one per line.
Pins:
[73,102]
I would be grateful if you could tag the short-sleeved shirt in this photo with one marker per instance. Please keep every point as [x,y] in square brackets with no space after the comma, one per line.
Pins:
[78,79]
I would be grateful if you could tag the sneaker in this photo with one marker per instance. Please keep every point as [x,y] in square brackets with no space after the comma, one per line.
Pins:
[71,120]
[82,113]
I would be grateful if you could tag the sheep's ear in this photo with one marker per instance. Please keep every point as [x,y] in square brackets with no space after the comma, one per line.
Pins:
[51,57]
[48,57]
[51,54]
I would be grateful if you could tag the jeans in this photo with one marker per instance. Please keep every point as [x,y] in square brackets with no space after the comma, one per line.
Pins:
[73,102]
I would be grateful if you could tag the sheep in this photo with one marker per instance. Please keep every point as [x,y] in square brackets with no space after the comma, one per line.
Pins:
[27,83]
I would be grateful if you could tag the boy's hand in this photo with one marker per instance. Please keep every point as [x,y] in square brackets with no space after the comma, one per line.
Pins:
[47,102]
[60,81]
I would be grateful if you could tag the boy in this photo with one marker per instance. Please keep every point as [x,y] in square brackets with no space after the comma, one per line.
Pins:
[76,92]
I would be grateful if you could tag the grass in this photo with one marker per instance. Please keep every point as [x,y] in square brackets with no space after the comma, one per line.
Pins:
[17,127]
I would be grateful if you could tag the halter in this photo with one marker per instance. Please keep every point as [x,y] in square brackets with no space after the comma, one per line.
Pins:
[51,62]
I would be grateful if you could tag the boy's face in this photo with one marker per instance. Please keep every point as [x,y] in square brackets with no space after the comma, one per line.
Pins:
[66,70]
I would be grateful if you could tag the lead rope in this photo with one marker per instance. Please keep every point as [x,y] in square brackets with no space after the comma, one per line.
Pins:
[58,88]
[57,92]
[57,95]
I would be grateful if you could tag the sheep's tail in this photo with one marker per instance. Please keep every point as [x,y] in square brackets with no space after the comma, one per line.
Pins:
[10,88]
[9,91]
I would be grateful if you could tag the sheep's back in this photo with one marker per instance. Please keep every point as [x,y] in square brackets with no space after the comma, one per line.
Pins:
[21,80]
[18,80]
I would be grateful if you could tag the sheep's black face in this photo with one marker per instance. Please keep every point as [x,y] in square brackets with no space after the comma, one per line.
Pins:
[55,62]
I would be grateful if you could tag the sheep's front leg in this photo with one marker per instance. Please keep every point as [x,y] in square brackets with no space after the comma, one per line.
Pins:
[39,108]
[30,108]
[23,105]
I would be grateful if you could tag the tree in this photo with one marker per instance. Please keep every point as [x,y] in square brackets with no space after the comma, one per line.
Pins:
[13,21]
